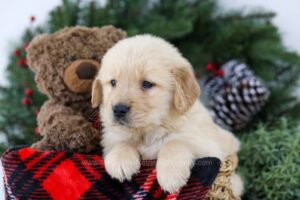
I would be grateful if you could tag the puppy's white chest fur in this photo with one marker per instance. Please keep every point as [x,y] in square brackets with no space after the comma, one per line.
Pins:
[150,144]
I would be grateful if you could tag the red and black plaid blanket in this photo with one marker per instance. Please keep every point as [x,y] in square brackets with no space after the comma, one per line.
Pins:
[32,174]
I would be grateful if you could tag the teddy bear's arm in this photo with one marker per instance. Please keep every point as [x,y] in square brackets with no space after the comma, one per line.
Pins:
[64,129]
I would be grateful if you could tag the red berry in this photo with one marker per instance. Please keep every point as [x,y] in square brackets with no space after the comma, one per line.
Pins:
[219,72]
[32,18]
[26,101]
[17,52]
[37,131]
[22,62]
[28,92]
[210,67]
[25,45]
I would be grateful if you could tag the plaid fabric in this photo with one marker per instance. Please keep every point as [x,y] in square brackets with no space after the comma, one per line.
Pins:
[32,174]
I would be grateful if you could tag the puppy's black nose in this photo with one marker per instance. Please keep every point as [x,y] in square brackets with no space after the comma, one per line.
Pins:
[120,110]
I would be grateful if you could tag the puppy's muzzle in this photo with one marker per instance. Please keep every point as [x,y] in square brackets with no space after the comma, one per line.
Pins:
[120,111]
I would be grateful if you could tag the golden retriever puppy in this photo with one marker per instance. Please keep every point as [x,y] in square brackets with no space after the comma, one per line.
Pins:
[150,110]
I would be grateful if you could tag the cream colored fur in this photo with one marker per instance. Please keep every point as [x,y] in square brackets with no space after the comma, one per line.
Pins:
[166,122]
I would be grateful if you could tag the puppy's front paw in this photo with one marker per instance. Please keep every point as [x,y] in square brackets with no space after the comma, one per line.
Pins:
[172,175]
[122,164]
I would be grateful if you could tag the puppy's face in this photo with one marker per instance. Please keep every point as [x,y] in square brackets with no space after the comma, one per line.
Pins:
[135,96]
[142,86]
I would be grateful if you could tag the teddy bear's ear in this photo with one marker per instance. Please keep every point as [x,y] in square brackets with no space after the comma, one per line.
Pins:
[36,51]
[111,33]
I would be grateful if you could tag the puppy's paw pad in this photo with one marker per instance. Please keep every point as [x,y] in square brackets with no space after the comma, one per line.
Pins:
[172,177]
[122,166]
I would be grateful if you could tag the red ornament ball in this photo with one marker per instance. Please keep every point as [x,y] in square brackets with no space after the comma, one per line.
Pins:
[28,92]
[219,72]
[210,67]
[17,52]
[26,101]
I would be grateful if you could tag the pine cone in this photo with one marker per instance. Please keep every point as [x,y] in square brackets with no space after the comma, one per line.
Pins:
[236,97]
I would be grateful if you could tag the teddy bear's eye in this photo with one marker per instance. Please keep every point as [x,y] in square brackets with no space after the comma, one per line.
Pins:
[94,56]
[72,58]
[113,83]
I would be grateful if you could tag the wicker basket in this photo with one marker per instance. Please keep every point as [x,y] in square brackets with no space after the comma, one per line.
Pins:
[222,189]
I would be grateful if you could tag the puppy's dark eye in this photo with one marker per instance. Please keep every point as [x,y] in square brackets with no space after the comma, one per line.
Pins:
[147,85]
[113,83]
[94,56]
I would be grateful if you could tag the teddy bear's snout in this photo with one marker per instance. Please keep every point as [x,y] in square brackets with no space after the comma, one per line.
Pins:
[79,75]
[86,70]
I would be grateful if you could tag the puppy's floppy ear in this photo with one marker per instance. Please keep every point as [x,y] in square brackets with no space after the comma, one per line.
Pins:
[186,89]
[96,93]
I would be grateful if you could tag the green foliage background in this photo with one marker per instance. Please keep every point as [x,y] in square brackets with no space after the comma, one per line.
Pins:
[270,160]
[204,34]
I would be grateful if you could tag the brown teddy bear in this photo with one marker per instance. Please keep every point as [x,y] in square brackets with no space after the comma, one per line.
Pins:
[65,64]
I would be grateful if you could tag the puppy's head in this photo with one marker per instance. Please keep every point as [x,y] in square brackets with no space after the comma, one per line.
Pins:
[143,81]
